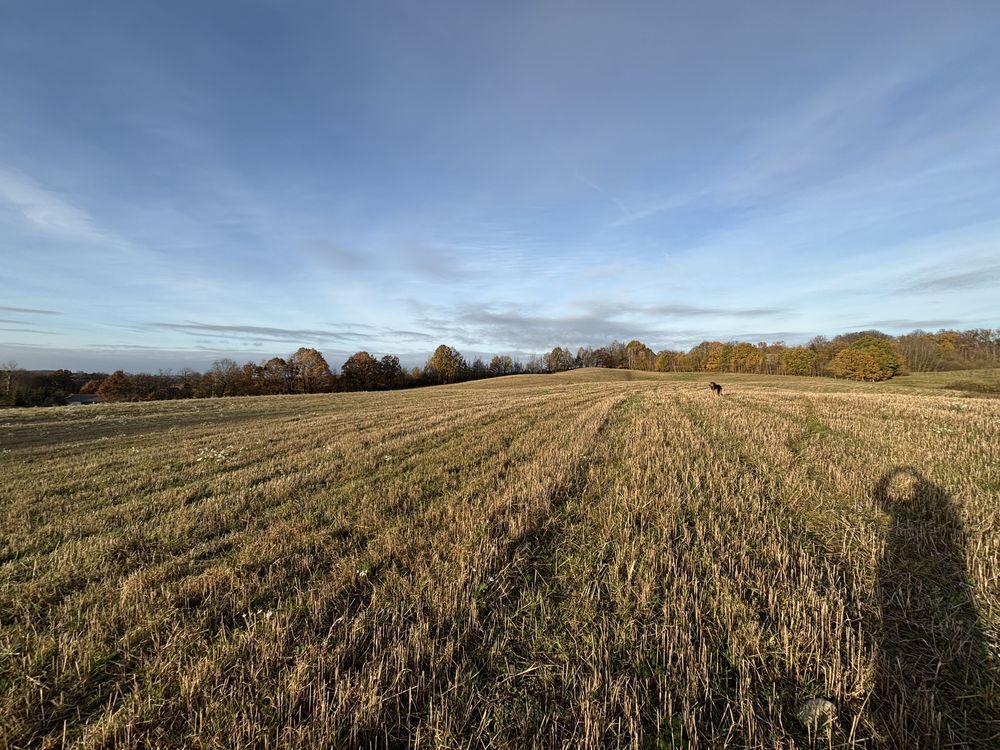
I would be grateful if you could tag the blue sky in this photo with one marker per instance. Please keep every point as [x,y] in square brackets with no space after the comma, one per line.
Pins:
[189,180]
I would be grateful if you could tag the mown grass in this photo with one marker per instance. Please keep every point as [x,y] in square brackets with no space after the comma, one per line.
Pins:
[596,559]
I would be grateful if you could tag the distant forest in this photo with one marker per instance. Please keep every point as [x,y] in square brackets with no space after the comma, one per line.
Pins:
[862,355]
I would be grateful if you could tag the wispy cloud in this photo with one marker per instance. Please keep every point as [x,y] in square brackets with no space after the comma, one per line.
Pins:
[29,330]
[686,311]
[261,332]
[29,310]
[733,312]
[17,345]
[956,281]
[47,211]
[252,333]
[613,200]
[408,335]
[904,324]
[113,347]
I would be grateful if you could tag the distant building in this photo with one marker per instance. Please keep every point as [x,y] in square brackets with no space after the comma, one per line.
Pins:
[80,399]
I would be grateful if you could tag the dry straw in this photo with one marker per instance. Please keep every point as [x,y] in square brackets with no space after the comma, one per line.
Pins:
[596,559]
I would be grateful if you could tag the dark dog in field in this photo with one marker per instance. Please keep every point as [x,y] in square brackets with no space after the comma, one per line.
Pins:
[716,387]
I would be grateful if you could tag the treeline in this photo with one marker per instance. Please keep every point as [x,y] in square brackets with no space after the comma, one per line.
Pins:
[304,371]
[861,355]
[22,388]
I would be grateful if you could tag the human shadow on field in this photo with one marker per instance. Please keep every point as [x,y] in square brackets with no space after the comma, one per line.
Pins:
[936,687]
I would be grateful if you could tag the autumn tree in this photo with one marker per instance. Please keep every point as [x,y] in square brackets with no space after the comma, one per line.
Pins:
[982,347]
[921,351]
[799,360]
[558,360]
[225,377]
[668,361]
[445,365]
[585,357]
[855,364]
[252,379]
[361,372]
[773,356]
[501,364]
[746,358]
[716,357]
[277,376]
[614,354]
[115,387]
[697,356]
[391,372]
[867,358]
[309,371]
[825,351]
[90,386]
[638,356]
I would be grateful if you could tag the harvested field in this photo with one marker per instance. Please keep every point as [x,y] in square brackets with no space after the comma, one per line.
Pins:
[592,559]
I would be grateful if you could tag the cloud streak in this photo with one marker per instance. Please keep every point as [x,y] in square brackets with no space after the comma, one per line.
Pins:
[288,335]
[260,332]
[45,210]
[905,324]
[29,330]
[978,279]
[29,310]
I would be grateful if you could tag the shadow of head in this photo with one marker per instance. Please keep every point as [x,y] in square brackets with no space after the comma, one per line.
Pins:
[905,491]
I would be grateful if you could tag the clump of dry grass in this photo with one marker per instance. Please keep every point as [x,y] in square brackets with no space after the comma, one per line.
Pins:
[584,560]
